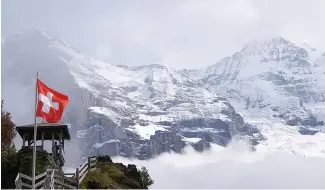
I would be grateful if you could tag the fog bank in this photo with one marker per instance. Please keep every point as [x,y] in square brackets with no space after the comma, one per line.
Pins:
[233,167]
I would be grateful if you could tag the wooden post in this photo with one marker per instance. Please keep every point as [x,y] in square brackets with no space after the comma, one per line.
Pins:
[53,148]
[60,141]
[53,139]
[48,179]
[89,164]
[43,140]
[62,138]
[24,139]
[77,177]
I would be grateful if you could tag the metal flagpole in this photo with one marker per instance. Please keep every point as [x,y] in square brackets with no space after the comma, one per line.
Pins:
[35,133]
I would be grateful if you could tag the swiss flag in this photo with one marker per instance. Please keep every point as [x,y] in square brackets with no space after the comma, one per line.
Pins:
[51,103]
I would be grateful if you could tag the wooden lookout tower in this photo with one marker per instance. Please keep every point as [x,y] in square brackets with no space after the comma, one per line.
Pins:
[56,133]
[51,176]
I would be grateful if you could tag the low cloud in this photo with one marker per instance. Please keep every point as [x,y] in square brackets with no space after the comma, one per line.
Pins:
[103,52]
[233,167]
[180,34]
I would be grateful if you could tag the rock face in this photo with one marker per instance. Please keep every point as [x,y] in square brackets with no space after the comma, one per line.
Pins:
[273,79]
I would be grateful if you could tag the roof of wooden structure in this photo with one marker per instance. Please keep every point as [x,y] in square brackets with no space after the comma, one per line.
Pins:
[47,128]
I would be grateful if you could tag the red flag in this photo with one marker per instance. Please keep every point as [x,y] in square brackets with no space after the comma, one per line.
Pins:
[51,103]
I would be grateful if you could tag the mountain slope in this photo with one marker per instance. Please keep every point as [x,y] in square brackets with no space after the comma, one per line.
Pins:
[273,78]
[139,111]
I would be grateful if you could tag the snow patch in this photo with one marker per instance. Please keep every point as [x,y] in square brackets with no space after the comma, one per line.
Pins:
[191,140]
[145,132]
[285,138]
[107,112]
[98,145]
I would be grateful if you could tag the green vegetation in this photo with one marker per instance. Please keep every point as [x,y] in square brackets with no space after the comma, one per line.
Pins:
[116,176]
[146,179]
[21,162]
[8,132]
[9,168]
[25,161]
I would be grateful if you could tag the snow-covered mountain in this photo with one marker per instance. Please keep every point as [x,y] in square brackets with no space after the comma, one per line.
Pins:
[271,78]
[144,111]
[139,111]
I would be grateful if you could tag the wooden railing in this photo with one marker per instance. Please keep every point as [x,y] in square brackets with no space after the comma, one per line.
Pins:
[18,182]
[55,179]
[50,182]
[24,181]
[88,166]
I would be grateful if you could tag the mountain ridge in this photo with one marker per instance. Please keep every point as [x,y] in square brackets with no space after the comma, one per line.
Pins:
[279,67]
[130,111]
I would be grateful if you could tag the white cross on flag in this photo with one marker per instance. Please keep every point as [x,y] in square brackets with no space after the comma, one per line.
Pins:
[51,103]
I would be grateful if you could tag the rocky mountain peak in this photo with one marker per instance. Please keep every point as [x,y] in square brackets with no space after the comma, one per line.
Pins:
[265,42]
[275,50]
[273,75]
[307,47]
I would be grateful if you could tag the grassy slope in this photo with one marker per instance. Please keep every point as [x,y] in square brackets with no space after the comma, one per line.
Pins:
[113,175]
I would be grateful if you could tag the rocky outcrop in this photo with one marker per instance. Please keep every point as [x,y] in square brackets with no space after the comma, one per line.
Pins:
[199,133]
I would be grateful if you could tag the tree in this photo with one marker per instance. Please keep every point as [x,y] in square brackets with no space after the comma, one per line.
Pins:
[7,130]
[146,179]
[9,168]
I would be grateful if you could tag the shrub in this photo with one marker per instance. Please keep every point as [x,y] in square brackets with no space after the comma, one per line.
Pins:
[146,179]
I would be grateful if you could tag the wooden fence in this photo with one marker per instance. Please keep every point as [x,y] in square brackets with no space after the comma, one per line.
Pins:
[56,179]
[24,181]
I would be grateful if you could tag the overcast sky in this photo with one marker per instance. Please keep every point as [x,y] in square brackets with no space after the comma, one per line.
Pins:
[177,33]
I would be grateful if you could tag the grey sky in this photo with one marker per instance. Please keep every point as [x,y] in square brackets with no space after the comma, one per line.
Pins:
[177,33]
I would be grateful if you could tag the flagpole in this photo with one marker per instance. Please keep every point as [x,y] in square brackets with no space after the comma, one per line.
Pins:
[35,133]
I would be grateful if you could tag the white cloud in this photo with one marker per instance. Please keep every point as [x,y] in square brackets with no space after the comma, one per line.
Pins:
[103,52]
[233,167]
[180,34]
[192,34]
